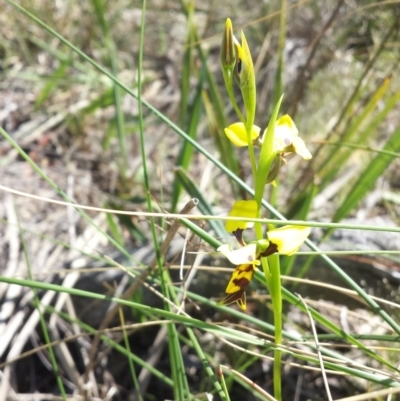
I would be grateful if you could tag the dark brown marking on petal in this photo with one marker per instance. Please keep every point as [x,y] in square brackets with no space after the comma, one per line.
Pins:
[238,235]
[272,248]
[239,66]
[242,301]
[241,282]
[248,268]
[232,298]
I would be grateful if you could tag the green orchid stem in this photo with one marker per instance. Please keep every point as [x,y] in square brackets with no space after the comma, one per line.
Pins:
[272,273]
[276,297]
[229,89]
[252,155]
[267,272]
[270,265]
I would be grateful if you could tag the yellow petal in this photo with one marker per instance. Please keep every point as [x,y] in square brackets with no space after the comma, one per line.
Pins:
[237,134]
[287,123]
[246,254]
[301,149]
[237,285]
[286,139]
[238,297]
[288,239]
[242,301]
[285,132]
[240,278]
[242,208]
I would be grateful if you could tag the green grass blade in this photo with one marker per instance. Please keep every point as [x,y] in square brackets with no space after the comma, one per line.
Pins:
[278,90]
[294,300]
[117,346]
[203,204]
[329,325]
[100,11]
[206,365]
[318,317]
[368,178]
[52,82]
[43,324]
[217,121]
[353,285]
[115,229]
[349,106]
[104,99]
[212,101]
[130,361]
[287,262]
[215,329]
[186,152]
[230,172]
[345,277]
[187,64]
[53,185]
[372,126]
[181,389]
[226,332]
[204,235]
[339,156]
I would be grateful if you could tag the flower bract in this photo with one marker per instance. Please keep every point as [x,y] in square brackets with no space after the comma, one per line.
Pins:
[247,80]
[228,48]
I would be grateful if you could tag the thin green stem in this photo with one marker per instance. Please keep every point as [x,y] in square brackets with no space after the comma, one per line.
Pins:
[267,272]
[113,62]
[229,88]
[276,297]
[251,154]
[130,361]
[271,267]
[281,48]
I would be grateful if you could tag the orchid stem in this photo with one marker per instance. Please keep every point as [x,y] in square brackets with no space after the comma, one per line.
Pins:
[252,156]
[276,296]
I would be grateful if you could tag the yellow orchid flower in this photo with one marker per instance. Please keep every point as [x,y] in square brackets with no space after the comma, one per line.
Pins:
[241,208]
[284,240]
[237,134]
[288,239]
[287,140]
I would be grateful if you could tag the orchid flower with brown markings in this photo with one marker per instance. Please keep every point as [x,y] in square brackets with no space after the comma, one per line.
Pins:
[285,240]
